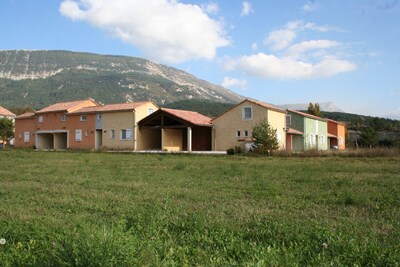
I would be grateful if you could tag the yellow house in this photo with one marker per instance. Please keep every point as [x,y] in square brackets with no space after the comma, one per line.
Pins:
[234,127]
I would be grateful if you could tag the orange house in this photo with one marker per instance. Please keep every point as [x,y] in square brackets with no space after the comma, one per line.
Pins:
[337,134]
[24,135]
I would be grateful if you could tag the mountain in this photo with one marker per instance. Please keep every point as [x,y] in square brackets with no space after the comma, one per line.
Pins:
[326,106]
[207,107]
[40,78]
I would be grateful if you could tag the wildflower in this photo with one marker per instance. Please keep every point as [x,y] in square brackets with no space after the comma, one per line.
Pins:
[2,241]
[324,245]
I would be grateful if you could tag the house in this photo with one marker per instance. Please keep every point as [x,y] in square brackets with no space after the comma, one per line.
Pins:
[4,113]
[24,133]
[83,124]
[114,125]
[306,132]
[234,127]
[337,134]
[176,130]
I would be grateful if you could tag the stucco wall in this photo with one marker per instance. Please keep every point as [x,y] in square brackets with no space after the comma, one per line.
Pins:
[342,133]
[88,128]
[226,126]
[118,121]
[319,132]
[172,139]
[22,126]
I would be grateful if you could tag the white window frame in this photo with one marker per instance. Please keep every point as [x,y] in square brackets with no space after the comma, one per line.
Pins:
[86,133]
[78,135]
[26,137]
[238,133]
[83,118]
[128,134]
[244,113]
[63,117]
[40,119]
[112,134]
[246,133]
[323,140]
[341,140]
[312,139]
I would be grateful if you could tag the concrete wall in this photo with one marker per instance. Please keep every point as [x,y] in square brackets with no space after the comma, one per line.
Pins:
[226,126]
[22,126]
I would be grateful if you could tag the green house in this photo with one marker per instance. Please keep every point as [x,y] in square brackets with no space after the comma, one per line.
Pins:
[305,132]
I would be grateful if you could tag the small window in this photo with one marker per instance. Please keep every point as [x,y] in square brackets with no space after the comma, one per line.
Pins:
[341,141]
[83,118]
[78,135]
[247,113]
[150,110]
[86,133]
[312,139]
[26,137]
[323,140]
[40,118]
[246,133]
[279,137]
[19,135]
[238,134]
[126,134]
[63,117]
[99,117]
[112,134]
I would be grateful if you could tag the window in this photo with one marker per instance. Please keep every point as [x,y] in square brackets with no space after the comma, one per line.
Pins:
[341,140]
[26,137]
[288,119]
[246,133]
[126,134]
[150,110]
[63,117]
[83,118]
[247,113]
[323,140]
[238,134]
[78,135]
[112,134]
[279,137]
[312,139]
[99,117]
[40,118]
[86,133]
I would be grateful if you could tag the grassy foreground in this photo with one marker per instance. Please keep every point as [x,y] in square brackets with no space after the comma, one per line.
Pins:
[101,209]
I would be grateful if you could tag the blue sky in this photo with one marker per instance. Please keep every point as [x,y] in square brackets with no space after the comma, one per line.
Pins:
[346,52]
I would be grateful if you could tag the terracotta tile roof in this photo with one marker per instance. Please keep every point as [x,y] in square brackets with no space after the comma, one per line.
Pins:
[293,131]
[5,112]
[65,106]
[110,108]
[307,115]
[26,115]
[190,116]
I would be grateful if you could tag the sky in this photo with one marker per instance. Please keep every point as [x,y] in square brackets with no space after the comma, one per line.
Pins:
[281,52]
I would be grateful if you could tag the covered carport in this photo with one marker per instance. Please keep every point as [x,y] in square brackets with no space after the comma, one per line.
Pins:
[176,130]
[52,140]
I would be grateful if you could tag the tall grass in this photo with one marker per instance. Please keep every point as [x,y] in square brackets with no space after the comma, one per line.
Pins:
[100,209]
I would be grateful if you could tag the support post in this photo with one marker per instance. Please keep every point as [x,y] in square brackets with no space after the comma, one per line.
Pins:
[189,139]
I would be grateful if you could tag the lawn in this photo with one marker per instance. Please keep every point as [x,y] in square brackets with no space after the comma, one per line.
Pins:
[108,209]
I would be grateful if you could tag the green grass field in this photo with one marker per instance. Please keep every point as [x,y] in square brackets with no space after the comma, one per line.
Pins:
[103,209]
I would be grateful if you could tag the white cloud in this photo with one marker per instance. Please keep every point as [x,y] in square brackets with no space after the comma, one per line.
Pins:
[247,8]
[254,46]
[274,67]
[232,82]
[210,8]
[309,7]
[164,30]
[298,50]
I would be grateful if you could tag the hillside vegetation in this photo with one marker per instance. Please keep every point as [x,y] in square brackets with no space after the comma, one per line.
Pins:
[107,209]
[40,78]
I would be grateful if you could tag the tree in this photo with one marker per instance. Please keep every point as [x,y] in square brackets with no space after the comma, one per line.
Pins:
[314,109]
[6,129]
[369,137]
[265,138]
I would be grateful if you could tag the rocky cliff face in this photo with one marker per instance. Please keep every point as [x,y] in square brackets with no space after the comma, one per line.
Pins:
[44,77]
